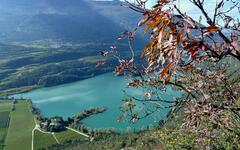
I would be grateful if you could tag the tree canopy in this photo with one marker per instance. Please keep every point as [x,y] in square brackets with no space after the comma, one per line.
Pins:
[199,57]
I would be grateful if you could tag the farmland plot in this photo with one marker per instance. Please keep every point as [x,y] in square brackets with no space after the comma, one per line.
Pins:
[4,119]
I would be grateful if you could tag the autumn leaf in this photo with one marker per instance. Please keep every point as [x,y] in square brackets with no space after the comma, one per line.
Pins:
[118,70]
[148,27]
[179,37]
[211,29]
[166,69]
[143,21]
[194,52]
[135,83]
[167,80]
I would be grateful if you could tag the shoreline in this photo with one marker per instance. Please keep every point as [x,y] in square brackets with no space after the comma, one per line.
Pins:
[82,86]
[25,89]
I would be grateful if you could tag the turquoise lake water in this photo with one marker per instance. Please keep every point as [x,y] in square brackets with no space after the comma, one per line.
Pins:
[100,91]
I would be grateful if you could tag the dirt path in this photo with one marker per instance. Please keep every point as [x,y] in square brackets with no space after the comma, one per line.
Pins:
[33,136]
[55,138]
[83,134]
[37,128]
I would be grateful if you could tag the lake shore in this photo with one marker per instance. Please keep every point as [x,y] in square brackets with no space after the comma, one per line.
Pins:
[100,91]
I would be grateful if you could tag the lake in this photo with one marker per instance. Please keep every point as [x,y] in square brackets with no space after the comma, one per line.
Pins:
[101,91]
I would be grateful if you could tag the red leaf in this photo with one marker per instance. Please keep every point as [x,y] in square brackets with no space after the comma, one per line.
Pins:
[143,21]
[167,80]
[135,83]
[211,29]
[118,70]
[165,70]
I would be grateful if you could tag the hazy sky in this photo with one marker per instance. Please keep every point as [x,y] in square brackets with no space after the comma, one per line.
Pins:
[190,9]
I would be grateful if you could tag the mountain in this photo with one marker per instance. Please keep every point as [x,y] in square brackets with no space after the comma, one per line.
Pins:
[72,20]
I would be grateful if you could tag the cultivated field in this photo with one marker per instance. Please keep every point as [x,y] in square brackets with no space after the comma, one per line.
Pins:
[4,119]
[3,133]
[20,127]
[5,106]
[16,126]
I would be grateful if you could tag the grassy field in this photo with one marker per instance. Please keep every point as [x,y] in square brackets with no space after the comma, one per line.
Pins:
[5,106]
[20,128]
[18,134]
[68,135]
[42,140]
[4,119]
[3,133]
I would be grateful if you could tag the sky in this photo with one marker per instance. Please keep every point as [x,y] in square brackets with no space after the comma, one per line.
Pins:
[193,11]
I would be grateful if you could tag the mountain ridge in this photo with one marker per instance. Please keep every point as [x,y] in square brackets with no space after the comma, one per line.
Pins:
[58,19]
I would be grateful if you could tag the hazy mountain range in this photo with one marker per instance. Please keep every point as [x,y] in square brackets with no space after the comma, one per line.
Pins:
[68,20]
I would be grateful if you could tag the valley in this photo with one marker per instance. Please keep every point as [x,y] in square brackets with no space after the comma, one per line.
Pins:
[119,75]
[31,67]
[55,43]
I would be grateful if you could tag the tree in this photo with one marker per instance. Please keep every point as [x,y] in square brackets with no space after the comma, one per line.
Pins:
[200,58]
